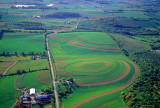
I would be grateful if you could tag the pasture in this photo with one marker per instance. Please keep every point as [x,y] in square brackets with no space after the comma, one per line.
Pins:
[22,43]
[96,64]
[31,80]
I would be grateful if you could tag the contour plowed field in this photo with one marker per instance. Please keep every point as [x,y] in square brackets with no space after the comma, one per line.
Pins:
[96,64]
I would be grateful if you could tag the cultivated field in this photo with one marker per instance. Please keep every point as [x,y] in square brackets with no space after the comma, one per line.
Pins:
[97,66]
[22,43]
[29,65]
[4,66]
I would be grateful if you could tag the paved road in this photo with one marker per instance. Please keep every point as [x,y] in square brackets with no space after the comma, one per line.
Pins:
[54,85]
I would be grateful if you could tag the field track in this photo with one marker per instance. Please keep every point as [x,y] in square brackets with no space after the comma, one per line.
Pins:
[137,70]
[9,67]
[121,76]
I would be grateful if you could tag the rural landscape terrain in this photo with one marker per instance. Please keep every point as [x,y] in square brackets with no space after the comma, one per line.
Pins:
[79,54]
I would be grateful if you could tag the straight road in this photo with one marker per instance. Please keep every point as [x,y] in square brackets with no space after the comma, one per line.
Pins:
[54,85]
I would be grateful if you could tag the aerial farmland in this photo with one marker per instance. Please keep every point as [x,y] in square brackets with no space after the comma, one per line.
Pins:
[79,54]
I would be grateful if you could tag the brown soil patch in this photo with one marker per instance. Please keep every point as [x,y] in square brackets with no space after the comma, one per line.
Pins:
[121,76]
[137,70]
[9,67]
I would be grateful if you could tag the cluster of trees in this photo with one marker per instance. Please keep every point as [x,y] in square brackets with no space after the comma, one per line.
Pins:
[23,71]
[26,25]
[1,34]
[155,46]
[65,89]
[19,72]
[49,90]
[145,91]
[0,15]
[121,25]
[42,55]
[63,15]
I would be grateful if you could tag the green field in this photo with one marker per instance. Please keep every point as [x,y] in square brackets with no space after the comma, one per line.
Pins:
[35,83]
[96,64]
[40,80]
[131,15]
[22,43]
[12,18]
[84,23]
[7,92]
[112,102]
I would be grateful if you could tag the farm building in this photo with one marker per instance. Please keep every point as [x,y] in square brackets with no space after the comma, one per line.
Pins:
[50,5]
[32,91]
[43,98]
[64,83]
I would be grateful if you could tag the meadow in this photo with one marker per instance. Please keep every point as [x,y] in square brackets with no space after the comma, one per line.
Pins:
[35,77]
[96,64]
[22,43]
[38,79]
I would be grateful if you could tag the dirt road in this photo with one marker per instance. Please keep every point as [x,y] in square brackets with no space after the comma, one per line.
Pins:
[9,67]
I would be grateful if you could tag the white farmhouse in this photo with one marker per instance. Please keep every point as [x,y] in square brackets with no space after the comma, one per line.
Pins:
[32,91]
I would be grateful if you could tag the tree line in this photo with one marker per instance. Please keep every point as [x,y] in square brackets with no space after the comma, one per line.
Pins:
[63,15]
